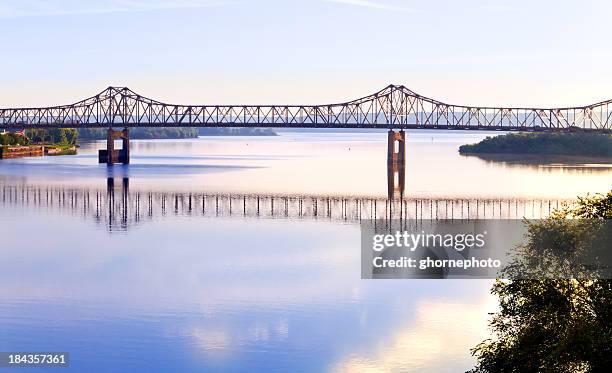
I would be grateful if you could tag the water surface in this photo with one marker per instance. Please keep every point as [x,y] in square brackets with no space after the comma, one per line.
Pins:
[170,264]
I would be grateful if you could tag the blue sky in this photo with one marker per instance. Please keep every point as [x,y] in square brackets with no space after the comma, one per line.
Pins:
[533,53]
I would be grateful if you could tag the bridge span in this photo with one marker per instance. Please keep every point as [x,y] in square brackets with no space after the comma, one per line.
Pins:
[393,107]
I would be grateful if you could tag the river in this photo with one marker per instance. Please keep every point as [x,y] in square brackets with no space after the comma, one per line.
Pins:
[242,253]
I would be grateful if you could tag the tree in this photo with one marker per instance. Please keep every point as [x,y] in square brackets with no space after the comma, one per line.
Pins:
[554,325]
[13,139]
[58,136]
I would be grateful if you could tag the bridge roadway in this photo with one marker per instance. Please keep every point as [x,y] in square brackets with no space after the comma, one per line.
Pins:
[119,208]
[393,107]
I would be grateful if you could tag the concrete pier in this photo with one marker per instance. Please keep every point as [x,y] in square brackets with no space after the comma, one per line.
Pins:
[396,164]
[110,155]
[396,147]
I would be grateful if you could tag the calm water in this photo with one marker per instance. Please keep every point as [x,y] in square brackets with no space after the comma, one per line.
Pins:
[212,254]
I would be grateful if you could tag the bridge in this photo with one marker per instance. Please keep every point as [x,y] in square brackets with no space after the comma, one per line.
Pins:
[394,107]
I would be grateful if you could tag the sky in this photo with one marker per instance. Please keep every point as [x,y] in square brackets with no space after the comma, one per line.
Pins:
[477,52]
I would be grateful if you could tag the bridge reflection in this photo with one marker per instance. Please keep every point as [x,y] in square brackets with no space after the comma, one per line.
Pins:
[118,208]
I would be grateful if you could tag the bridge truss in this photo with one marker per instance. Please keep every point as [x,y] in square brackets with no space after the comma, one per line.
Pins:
[395,106]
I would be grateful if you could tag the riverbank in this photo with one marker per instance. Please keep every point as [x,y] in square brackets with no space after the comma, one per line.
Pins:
[60,150]
[558,144]
[21,151]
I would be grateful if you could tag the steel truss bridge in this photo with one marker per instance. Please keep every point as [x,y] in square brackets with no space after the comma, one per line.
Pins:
[118,207]
[395,106]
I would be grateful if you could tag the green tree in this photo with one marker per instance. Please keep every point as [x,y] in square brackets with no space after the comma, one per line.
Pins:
[554,325]
[59,136]
[578,144]
[13,139]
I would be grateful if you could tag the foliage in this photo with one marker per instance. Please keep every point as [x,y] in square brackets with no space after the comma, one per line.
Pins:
[13,139]
[548,325]
[59,136]
[142,133]
[69,136]
[176,132]
[578,143]
[236,131]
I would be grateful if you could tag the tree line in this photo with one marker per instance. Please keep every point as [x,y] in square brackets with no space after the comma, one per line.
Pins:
[54,136]
[579,144]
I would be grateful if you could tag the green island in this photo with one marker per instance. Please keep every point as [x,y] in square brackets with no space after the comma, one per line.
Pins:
[544,143]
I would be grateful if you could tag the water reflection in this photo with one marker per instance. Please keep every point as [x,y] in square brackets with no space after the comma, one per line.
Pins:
[433,333]
[396,181]
[318,163]
[223,262]
[193,293]
[548,163]
[118,207]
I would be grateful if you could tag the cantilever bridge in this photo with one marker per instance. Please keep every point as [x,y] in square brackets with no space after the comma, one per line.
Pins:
[394,107]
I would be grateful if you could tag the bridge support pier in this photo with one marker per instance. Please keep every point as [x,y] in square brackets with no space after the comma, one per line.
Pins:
[110,155]
[396,163]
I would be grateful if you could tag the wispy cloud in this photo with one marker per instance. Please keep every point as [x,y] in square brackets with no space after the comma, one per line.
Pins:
[496,5]
[376,4]
[40,8]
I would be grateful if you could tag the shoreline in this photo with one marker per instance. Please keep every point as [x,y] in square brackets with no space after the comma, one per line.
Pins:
[23,151]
